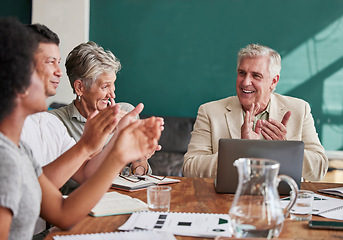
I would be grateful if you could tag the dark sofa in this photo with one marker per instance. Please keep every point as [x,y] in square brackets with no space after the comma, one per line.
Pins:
[174,141]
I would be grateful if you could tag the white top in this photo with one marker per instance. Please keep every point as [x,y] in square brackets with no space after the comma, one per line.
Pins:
[48,138]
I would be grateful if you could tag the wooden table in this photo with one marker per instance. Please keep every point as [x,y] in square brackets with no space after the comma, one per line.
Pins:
[198,195]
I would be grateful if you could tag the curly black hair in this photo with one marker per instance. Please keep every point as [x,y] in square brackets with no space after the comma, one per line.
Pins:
[44,34]
[17,47]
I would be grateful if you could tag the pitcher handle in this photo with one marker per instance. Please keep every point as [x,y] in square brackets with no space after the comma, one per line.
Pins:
[294,192]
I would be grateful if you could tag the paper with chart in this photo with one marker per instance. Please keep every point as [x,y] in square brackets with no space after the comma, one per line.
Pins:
[185,224]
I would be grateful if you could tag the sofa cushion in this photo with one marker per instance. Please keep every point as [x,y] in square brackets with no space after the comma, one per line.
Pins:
[176,134]
[166,164]
[174,141]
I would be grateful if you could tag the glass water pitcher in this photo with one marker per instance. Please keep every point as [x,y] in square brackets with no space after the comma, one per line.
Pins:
[256,209]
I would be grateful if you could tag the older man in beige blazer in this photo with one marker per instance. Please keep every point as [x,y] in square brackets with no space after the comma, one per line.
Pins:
[255,113]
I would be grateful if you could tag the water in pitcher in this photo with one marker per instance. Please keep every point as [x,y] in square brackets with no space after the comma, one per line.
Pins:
[255,228]
[256,209]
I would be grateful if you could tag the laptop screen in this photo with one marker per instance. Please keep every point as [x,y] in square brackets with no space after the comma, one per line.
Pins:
[289,154]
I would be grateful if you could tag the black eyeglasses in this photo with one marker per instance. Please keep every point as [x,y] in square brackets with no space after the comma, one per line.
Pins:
[133,177]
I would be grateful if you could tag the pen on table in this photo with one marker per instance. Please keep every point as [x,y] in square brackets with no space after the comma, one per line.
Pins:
[315,198]
[139,228]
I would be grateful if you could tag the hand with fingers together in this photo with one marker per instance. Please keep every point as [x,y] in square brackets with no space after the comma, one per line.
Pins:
[126,121]
[247,131]
[121,112]
[130,117]
[268,129]
[138,139]
[140,167]
[98,128]
[274,130]
[119,115]
[144,161]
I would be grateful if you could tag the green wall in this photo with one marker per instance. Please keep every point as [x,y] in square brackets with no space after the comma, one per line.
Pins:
[21,9]
[178,54]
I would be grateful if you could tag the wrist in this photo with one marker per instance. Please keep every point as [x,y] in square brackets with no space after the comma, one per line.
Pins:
[84,150]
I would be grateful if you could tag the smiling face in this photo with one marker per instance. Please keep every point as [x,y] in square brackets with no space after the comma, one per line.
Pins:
[254,83]
[97,96]
[47,59]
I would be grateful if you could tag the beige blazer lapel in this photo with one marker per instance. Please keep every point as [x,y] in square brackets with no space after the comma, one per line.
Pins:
[234,115]
[234,118]
[277,109]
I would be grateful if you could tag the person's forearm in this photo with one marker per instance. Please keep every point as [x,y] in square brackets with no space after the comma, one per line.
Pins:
[64,167]
[135,142]
[80,201]
[5,220]
[200,165]
[315,165]
[93,164]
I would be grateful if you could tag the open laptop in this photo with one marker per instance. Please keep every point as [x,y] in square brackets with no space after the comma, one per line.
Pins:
[289,154]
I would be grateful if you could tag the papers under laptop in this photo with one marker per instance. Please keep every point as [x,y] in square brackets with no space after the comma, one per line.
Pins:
[289,154]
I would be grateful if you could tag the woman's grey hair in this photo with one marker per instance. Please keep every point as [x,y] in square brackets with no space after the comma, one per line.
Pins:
[88,61]
[257,50]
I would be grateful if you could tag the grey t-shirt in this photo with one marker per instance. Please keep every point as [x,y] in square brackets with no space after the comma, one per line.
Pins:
[19,187]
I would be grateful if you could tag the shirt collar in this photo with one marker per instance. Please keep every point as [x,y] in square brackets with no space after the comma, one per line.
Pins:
[73,112]
[267,110]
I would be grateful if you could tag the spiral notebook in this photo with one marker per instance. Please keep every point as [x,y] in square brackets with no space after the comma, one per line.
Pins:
[207,225]
[141,235]
[324,206]
[328,207]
